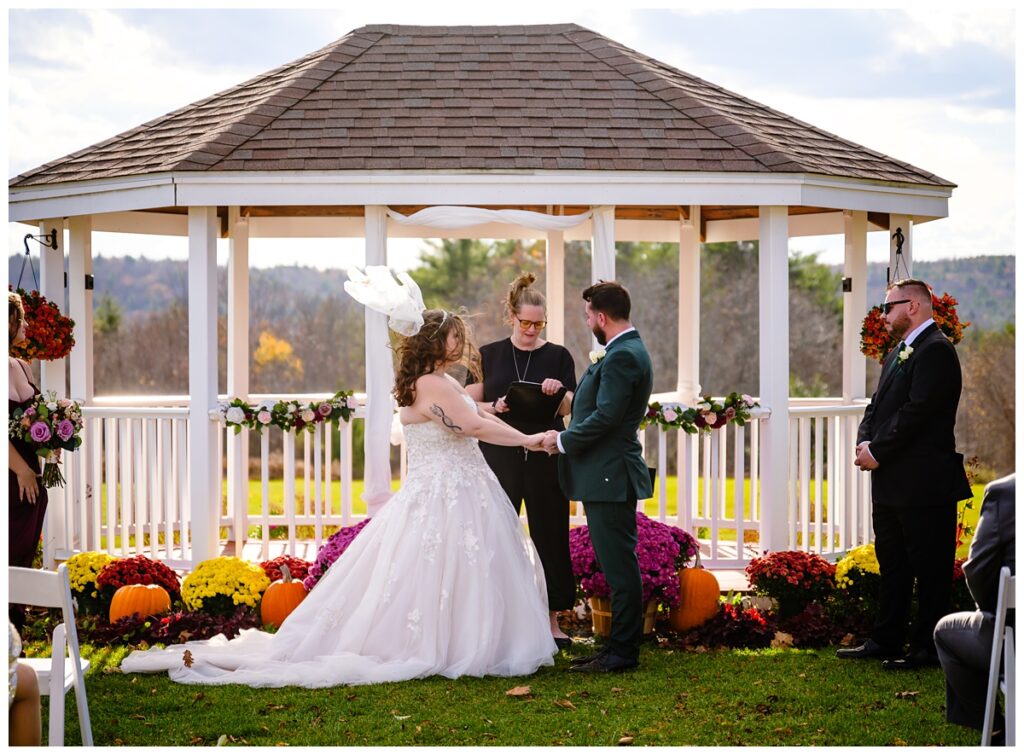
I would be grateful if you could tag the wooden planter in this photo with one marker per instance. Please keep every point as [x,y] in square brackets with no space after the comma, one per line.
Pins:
[601,616]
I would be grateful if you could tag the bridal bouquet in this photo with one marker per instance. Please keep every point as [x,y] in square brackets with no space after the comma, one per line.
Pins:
[48,425]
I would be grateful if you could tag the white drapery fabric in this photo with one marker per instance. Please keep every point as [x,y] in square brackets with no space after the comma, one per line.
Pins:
[380,378]
[602,266]
[452,218]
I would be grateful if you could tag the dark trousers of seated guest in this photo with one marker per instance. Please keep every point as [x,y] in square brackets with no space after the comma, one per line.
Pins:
[964,643]
[533,477]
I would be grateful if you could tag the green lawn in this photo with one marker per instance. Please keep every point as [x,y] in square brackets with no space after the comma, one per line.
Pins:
[768,697]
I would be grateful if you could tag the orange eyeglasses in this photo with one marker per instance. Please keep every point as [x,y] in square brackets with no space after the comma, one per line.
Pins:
[525,324]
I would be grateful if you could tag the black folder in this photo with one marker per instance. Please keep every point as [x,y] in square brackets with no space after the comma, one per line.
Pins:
[527,403]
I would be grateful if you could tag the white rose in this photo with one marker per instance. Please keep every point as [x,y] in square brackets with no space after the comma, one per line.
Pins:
[748,399]
[351,402]
[235,414]
[597,355]
[51,405]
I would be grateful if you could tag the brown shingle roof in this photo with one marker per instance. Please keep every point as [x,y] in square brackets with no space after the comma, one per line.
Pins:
[554,97]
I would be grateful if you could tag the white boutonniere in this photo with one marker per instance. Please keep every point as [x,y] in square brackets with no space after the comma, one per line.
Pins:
[597,355]
[904,354]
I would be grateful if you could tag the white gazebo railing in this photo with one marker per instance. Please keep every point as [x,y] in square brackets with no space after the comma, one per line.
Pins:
[128,486]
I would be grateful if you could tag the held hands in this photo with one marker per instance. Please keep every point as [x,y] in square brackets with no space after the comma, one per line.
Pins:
[534,442]
[864,459]
[550,443]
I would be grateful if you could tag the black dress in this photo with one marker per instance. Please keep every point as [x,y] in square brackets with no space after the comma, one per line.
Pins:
[25,520]
[533,476]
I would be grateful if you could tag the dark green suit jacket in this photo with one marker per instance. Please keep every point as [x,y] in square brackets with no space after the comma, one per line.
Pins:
[602,459]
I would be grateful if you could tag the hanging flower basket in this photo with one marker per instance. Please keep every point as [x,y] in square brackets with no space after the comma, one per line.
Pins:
[49,335]
[876,343]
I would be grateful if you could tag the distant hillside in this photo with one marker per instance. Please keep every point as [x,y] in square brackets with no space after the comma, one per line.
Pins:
[984,286]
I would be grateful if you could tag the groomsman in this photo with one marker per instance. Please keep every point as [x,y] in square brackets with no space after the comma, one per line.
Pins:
[906,441]
[602,465]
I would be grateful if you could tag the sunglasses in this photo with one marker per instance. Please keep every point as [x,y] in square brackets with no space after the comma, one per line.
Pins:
[538,324]
[887,306]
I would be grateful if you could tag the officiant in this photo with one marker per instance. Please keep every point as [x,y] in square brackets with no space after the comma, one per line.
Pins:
[528,383]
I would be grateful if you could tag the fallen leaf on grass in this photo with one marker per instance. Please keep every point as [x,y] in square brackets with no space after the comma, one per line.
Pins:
[400,718]
[565,704]
[782,640]
[616,689]
[118,741]
[519,692]
[626,740]
[222,740]
[274,706]
[905,694]
[137,716]
[897,742]
[196,741]
[281,744]
[187,659]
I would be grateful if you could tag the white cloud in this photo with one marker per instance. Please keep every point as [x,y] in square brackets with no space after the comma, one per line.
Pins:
[933,32]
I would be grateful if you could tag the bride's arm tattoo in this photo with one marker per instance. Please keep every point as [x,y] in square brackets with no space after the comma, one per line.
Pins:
[438,411]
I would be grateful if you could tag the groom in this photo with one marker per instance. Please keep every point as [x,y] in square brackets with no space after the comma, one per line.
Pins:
[603,466]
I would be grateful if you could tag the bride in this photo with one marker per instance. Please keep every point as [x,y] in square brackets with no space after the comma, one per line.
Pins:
[442,581]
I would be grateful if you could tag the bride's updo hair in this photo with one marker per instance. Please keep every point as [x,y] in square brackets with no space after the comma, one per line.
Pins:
[521,293]
[15,315]
[427,350]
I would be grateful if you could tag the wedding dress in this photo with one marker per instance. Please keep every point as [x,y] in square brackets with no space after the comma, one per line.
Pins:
[442,581]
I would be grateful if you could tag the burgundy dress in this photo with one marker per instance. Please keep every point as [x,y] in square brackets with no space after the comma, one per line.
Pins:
[25,520]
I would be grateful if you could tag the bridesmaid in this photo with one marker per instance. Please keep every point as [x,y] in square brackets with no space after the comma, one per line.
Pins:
[532,476]
[26,495]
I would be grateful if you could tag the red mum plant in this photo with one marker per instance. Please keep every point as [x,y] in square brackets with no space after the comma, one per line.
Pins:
[48,334]
[792,578]
[138,570]
[296,566]
[876,342]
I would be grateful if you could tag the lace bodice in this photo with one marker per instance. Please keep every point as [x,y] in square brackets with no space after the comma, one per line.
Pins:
[431,446]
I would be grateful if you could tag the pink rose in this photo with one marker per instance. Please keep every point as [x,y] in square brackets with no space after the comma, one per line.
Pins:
[307,415]
[264,417]
[40,432]
[324,409]
[30,412]
[65,429]
[730,413]
[670,415]
[351,402]
[711,418]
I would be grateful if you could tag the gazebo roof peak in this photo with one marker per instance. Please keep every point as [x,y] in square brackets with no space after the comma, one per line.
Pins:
[554,97]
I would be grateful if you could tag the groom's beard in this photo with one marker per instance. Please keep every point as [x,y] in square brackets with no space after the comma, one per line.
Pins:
[599,334]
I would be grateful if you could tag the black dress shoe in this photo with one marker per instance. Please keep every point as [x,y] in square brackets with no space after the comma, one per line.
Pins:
[582,659]
[563,643]
[916,660]
[870,649]
[606,664]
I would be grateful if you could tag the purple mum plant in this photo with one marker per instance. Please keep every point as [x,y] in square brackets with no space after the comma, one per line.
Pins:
[330,551]
[661,549]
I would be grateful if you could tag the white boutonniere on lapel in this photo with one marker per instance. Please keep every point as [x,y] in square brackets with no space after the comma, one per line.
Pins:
[904,354]
[597,355]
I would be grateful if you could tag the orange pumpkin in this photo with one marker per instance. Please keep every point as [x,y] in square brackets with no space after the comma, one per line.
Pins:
[145,600]
[281,598]
[698,598]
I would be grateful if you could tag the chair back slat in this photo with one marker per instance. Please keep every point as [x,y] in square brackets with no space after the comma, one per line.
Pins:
[35,587]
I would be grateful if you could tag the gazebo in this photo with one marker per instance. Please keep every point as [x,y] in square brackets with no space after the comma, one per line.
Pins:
[549,130]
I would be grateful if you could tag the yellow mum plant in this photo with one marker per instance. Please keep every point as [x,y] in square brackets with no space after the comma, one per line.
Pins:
[83,569]
[858,580]
[220,585]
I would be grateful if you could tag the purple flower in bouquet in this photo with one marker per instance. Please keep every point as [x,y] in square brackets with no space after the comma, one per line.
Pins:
[30,412]
[65,429]
[330,552]
[40,432]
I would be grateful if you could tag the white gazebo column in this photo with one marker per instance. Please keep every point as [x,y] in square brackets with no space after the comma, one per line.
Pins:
[204,475]
[906,265]
[688,369]
[52,375]
[602,249]
[555,286]
[238,368]
[773,337]
[80,359]
[855,302]
[380,378]
[80,306]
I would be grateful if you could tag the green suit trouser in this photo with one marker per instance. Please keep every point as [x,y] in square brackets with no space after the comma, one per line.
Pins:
[612,526]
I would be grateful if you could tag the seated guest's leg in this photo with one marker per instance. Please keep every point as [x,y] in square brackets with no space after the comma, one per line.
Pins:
[25,716]
[964,644]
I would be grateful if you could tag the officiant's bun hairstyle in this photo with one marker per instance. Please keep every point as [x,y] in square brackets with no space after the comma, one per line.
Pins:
[521,293]
[422,352]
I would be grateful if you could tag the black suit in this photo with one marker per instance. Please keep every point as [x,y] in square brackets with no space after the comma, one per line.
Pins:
[916,486]
[964,640]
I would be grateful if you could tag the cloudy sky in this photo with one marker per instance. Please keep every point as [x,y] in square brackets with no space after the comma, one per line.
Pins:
[933,87]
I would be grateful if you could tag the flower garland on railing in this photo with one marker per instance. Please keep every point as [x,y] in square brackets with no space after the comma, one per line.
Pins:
[49,335]
[876,342]
[287,415]
[709,414]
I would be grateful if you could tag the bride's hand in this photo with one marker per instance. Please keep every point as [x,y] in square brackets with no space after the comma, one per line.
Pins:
[534,442]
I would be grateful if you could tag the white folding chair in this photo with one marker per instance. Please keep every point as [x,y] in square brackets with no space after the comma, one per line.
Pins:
[1002,640]
[48,589]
